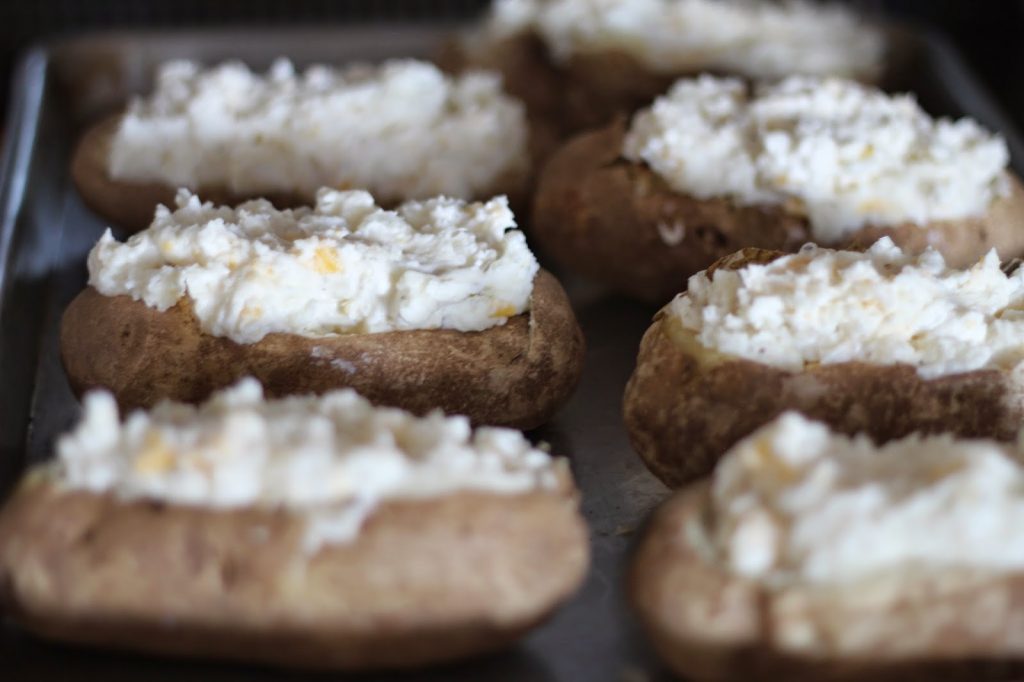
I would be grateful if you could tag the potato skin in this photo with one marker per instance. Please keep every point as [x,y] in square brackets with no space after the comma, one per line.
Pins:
[130,205]
[685,405]
[517,374]
[709,624]
[618,222]
[425,581]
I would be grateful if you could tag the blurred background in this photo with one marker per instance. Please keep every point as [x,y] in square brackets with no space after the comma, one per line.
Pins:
[988,32]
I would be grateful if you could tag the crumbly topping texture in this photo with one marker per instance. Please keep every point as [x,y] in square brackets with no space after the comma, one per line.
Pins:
[880,307]
[796,502]
[344,266]
[333,458]
[843,154]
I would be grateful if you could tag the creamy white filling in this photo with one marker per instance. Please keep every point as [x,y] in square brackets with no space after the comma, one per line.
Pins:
[880,307]
[843,154]
[345,266]
[796,502]
[753,39]
[402,130]
[333,458]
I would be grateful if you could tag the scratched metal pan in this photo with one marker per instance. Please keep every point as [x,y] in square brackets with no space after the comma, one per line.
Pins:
[45,232]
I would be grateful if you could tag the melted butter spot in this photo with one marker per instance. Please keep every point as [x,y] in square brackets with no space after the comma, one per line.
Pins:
[506,310]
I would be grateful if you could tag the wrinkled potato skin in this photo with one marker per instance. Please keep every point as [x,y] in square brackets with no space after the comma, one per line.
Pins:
[709,624]
[424,581]
[131,205]
[602,216]
[685,405]
[517,374]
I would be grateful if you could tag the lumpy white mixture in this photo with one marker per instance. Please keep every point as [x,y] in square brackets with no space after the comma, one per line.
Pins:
[880,307]
[334,458]
[753,39]
[795,501]
[402,130]
[843,154]
[345,266]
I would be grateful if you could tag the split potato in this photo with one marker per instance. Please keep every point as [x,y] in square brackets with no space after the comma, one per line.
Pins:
[424,581]
[517,374]
[685,405]
[618,222]
[710,624]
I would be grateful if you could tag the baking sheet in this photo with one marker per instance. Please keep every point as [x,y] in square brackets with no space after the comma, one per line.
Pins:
[45,232]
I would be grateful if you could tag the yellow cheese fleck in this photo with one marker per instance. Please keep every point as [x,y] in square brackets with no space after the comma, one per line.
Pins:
[156,457]
[506,310]
[252,312]
[325,261]
[872,205]
[770,463]
[937,472]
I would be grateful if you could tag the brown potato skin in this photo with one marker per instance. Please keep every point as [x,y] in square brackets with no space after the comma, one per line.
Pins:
[709,624]
[685,405]
[598,214]
[425,581]
[518,374]
[131,205]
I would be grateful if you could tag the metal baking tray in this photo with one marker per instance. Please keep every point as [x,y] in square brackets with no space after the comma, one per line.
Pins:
[45,232]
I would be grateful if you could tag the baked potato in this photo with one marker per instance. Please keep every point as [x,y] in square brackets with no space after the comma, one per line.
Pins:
[425,582]
[130,205]
[591,84]
[233,136]
[517,374]
[686,404]
[711,624]
[619,222]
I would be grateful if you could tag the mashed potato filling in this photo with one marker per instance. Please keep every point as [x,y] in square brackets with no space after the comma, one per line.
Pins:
[843,154]
[754,39]
[403,130]
[880,307]
[334,457]
[345,266]
[795,501]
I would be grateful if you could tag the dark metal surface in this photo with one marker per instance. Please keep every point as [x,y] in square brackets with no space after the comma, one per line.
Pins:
[45,232]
